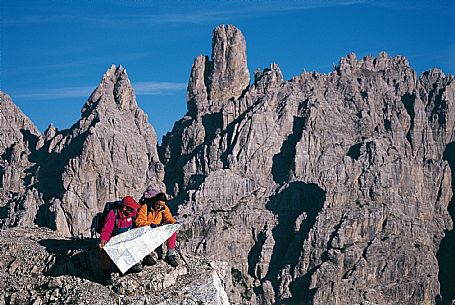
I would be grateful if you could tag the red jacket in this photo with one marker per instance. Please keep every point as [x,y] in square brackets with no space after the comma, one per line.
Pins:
[124,223]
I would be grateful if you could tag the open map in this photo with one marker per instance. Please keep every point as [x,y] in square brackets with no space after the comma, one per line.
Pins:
[127,249]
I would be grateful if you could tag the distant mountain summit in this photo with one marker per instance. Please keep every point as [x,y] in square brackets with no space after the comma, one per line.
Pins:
[109,153]
[323,189]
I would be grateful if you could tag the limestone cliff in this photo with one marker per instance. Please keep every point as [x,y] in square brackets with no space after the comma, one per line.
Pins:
[18,138]
[324,189]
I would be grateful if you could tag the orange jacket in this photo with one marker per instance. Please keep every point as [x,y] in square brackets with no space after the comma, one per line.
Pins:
[153,217]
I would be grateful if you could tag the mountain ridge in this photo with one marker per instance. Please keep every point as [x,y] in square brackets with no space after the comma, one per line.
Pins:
[340,141]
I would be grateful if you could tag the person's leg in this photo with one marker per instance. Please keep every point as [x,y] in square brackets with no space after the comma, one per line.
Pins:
[135,268]
[170,256]
[171,244]
[105,263]
[159,252]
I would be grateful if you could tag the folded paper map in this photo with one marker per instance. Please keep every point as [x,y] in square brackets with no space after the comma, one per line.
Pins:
[129,248]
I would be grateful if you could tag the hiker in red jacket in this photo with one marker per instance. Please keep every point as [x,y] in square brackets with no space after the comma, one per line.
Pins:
[117,221]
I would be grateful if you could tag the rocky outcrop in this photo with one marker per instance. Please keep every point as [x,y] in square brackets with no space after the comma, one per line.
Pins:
[212,85]
[325,189]
[18,139]
[109,153]
[226,76]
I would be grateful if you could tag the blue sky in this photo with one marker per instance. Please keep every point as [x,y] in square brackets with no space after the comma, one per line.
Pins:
[54,53]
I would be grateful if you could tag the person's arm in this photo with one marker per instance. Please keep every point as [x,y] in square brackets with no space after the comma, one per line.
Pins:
[168,216]
[141,220]
[108,227]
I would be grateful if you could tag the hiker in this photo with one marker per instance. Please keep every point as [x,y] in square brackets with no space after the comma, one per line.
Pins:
[154,212]
[117,221]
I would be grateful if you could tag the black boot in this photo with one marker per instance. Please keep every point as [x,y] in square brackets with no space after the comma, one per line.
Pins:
[115,269]
[171,260]
[135,269]
[159,252]
[148,261]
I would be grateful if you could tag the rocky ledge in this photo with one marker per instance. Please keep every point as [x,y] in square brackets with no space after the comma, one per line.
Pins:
[39,266]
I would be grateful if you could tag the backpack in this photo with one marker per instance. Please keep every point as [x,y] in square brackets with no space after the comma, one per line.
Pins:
[100,218]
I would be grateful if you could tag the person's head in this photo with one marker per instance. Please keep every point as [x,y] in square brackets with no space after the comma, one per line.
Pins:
[159,201]
[129,205]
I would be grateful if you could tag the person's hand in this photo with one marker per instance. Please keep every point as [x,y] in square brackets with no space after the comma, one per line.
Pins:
[102,244]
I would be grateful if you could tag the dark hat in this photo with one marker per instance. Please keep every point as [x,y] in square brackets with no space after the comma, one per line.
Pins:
[129,201]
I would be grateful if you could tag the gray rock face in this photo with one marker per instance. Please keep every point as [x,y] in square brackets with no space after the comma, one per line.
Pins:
[325,189]
[109,153]
[226,76]
[18,136]
[18,139]
[206,289]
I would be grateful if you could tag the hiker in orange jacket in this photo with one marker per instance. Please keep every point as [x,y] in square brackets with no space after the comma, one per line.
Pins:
[154,212]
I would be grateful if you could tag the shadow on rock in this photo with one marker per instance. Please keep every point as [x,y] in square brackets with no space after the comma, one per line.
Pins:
[297,208]
[77,257]
[283,162]
[446,252]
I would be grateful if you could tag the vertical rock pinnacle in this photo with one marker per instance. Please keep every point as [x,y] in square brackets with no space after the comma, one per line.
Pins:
[226,76]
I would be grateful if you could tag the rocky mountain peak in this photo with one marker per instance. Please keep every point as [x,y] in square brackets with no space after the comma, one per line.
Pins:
[110,152]
[268,79]
[369,63]
[50,132]
[226,76]
[18,137]
[19,140]
[12,121]
[114,154]
[114,91]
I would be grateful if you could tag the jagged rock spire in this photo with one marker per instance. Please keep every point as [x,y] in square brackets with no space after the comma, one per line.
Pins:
[226,76]
[115,90]
[230,75]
